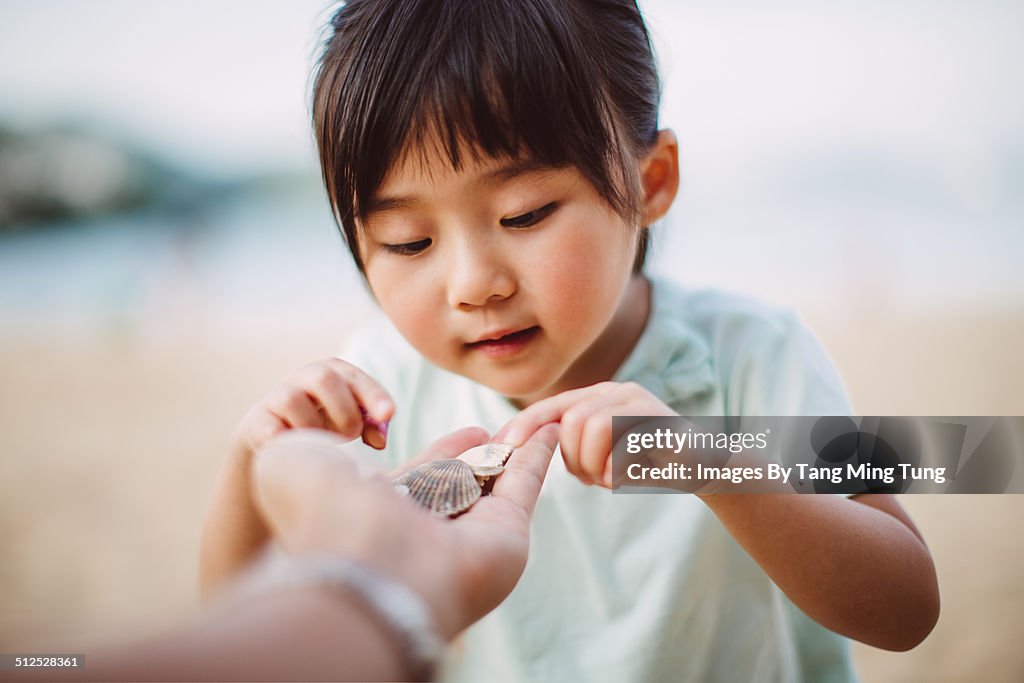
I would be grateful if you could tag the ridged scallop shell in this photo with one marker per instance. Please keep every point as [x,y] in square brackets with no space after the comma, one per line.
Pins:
[445,487]
[487,460]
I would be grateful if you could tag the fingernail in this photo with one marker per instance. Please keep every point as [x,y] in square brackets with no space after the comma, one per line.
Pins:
[378,427]
[381,427]
[374,439]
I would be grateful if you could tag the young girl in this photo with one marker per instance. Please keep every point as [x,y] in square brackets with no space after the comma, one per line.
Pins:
[494,165]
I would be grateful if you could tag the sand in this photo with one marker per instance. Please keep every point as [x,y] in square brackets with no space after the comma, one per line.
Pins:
[110,447]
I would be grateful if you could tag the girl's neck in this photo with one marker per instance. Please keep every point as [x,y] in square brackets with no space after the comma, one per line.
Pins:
[606,355]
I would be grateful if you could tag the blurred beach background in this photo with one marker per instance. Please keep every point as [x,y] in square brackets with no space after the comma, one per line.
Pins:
[167,254]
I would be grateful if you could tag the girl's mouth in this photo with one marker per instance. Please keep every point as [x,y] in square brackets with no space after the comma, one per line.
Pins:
[506,345]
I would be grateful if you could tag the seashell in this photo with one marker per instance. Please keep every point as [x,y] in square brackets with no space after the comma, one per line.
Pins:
[445,487]
[450,486]
[487,460]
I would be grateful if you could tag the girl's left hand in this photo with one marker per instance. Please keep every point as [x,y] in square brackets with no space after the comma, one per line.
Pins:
[585,431]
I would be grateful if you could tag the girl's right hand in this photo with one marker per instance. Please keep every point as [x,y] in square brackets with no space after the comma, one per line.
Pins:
[329,394]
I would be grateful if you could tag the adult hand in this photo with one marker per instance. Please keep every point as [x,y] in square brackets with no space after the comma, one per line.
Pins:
[316,499]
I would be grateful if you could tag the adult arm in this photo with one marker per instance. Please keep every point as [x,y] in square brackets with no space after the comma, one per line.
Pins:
[316,501]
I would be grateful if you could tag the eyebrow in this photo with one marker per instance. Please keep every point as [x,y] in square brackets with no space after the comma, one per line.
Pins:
[502,174]
[379,204]
[513,170]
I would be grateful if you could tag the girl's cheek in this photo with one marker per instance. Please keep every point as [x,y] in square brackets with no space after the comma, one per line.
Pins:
[392,276]
[408,295]
[583,261]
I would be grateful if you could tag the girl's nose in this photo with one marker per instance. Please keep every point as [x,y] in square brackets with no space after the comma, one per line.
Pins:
[479,274]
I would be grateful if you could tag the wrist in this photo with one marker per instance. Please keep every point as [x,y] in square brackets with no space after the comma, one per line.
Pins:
[400,616]
[431,583]
[339,630]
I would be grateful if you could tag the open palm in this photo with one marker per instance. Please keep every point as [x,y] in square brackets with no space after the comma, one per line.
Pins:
[316,498]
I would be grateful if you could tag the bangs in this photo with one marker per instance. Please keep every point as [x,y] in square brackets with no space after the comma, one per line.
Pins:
[488,78]
[497,85]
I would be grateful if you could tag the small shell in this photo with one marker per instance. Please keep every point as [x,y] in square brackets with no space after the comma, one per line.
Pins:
[445,487]
[488,460]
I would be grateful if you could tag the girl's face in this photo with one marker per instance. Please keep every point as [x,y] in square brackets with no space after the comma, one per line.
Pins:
[514,275]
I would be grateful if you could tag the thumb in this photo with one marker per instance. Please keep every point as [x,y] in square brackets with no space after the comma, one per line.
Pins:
[294,471]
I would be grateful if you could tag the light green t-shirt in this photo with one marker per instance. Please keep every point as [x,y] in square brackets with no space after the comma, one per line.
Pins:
[638,587]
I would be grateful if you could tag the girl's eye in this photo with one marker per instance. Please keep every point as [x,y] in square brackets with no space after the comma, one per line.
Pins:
[530,218]
[408,248]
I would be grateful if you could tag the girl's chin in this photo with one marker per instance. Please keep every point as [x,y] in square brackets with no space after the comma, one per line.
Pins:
[518,388]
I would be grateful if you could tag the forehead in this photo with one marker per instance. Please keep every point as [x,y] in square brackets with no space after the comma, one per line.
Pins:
[430,167]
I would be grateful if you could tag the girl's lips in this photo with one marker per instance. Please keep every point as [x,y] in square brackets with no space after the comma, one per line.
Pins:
[508,345]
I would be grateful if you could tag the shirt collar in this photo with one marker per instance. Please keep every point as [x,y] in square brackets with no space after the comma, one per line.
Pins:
[671,359]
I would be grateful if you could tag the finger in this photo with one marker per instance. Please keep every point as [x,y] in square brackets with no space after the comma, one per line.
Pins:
[367,391]
[596,444]
[374,403]
[576,422]
[375,433]
[341,413]
[607,478]
[329,390]
[524,473]
[290,470]
[261,427]
[518,429]
[448,446]
[295,407]
[374,437]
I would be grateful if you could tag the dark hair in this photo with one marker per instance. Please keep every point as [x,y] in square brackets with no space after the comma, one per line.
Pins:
[562,82]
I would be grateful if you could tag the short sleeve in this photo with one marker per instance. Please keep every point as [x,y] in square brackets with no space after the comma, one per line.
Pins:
[786,371]
[783,369]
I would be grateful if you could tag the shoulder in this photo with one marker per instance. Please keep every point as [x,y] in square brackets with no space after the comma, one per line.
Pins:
[732,326]
[726,318]
[766,360]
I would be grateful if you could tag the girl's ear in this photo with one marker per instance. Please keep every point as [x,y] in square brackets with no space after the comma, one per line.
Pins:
[659,175]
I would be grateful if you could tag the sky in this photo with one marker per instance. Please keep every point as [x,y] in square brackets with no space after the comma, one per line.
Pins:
[226,82]
[862,135]
[220,84]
